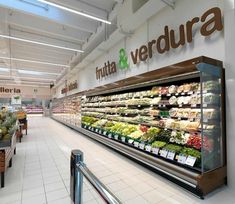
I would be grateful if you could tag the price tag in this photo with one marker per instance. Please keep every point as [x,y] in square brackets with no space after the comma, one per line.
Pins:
[171,155]
[205,120]
[180,105]
[148,148]
[126,114]
[160,95]
[110,135]
[123,139]
[116,137]
[163,105]
[155,150]
[179,118]
[182,159]
[139,106]
[84,126]
[183,94]
[190,92]
[136,144]
[159,105]
[100,132]
[96,130]
[163,153]
[177,94]
[151,96]
[141,146]
[168,94]
[204,105]
[92,129]
[165,129]
[104,133]
[190,160]
[193,105]
[151,105]
[130,141]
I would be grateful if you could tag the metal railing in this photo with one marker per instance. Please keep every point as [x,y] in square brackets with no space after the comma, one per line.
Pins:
[78,169]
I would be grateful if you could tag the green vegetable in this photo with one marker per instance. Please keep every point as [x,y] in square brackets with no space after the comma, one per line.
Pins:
[158,144]
[128,129]
[88,120]
[164,136]
[154,131]
[173,148]
[191,152]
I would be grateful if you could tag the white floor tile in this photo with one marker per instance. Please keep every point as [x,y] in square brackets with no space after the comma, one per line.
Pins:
[13,197]
[41,170]
[65,200]
[137,200]
[126,194]
[54,186]
[32,192]
[56,195]
[38,199]
[52,179]
[154,196]
[87,196]
[142,188]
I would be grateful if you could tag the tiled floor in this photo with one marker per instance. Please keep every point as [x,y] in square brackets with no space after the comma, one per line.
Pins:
[40,172]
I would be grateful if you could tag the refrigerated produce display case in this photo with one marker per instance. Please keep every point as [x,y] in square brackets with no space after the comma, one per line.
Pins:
[67,110]
[172,120]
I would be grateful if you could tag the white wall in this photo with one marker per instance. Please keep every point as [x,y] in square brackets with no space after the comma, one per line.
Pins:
[230,94]
[154,27]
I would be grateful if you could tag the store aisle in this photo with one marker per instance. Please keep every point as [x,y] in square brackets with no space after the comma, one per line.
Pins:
[40,172]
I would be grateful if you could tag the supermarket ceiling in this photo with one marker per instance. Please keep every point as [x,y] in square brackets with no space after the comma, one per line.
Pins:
[39,38]
[44,42]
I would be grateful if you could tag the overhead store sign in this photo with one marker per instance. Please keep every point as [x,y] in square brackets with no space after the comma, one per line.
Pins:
[7,90]
[211,19]
[111,68]
[211,22]
[70,87]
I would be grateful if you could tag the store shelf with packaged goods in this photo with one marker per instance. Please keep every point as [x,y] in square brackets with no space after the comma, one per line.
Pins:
[67,110]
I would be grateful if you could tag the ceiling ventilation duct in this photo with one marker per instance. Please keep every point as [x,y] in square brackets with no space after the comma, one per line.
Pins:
[126,18]
[136,5]
[133,13]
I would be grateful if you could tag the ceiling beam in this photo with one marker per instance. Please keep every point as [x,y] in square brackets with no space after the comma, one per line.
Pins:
[82,7]
[52,14]
[24,49]
[40,25]
[43,39]
[39,57]
[28,48]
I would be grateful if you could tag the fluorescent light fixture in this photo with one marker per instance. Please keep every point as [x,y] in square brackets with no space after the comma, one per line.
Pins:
[24,77]
[35,82]
[40,43]
[22,71]
[74,11]
[33,61]
[30,85]
[4,69]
